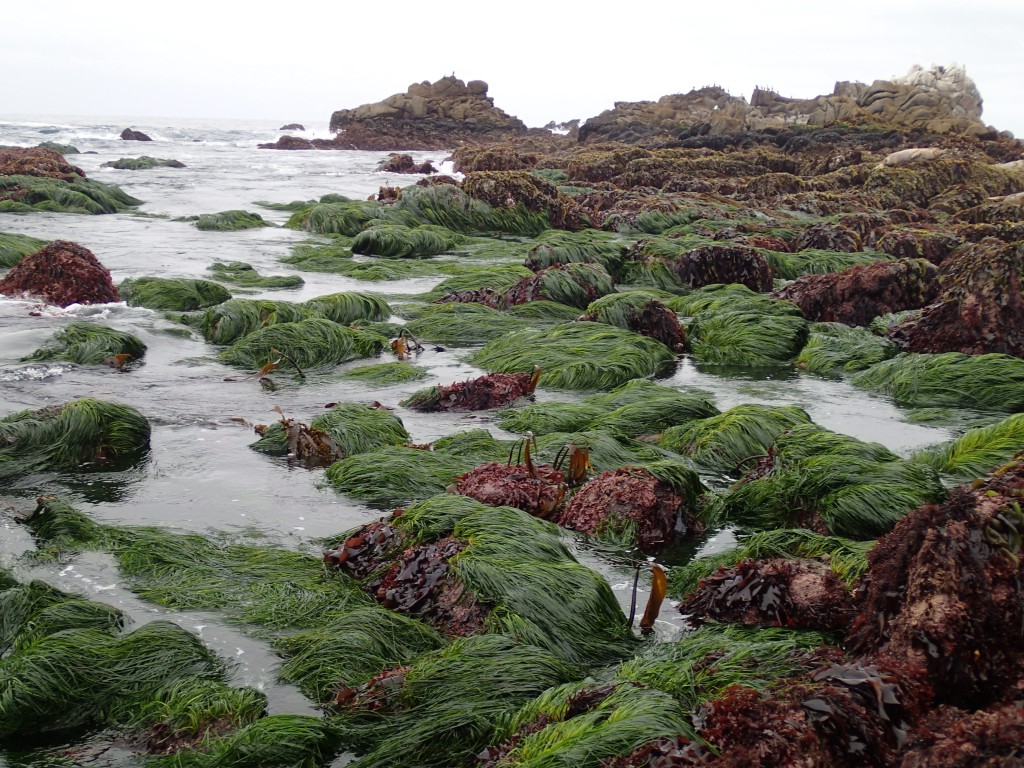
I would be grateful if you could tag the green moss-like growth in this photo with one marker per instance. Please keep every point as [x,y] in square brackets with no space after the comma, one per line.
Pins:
[462,324]
[174,294]
[89,344]
[724,443]
[64,149]
[636,408]
[230,221]
[397,241]
[992,382]
[591,245]
[583,724]
[813,261]
[835,348]
[444,708]
[858,490]
[13,248]
[384,374]
[63,437]
[576,355]
[394,476]
[977,452]
[309,344]
[349,306]
[848,558]
[78,677]
[354,428]
[228,322]
[240,273]
[143,163]
[21,194]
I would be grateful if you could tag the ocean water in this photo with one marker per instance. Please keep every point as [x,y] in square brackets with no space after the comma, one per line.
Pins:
[201,476]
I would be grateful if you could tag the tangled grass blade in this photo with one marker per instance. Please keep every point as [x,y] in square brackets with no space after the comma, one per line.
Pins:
[228,322]
[348,307]
[89,344]
[354,428]
[312,344]
[174,294]
[13,248]
[397,241]
[977,452]
[834,348]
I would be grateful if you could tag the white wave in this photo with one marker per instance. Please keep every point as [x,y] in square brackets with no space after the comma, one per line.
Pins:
[34,372]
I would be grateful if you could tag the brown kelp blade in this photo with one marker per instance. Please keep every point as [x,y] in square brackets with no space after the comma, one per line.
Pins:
[659,585]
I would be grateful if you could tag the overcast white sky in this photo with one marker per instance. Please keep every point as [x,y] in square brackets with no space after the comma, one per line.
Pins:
[299,61]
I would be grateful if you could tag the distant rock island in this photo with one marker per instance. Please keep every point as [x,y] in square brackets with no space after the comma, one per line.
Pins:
[450,113]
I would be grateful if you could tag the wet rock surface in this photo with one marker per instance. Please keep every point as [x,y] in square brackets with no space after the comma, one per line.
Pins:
[37,161]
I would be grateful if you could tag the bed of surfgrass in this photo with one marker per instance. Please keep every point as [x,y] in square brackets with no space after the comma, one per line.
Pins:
[589,246]
[638,407]
[728,441]
[814,261]
[754,657]
[143,163]
[746,339]
[13,248]
[497,277]
[89,343]
[834,348]
[848,558]
[394,476]
[275,741]
[576,355]
[230,221]
[335,217]
[550,730]
[311,344]
[351,649]
[349,306]
[446,705]
[722,297]
[228,322]
[992,382]
[198,709]
[573,284]
[36,193]
[859,490]
[396,241]
[65,437]
[353,427]
[75,678]
[245,275]
[976,452]
[448,206]
[175,294]
[462,324]
[542,311]
[386,374]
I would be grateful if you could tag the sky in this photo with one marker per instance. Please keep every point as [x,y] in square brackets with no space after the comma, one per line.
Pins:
[543,61]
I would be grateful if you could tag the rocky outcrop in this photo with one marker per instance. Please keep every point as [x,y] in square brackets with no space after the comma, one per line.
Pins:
[936,100]
[859,294]
[438,115]
[130,134]
[292,127]
[38,161]
[61,273]
[398,163]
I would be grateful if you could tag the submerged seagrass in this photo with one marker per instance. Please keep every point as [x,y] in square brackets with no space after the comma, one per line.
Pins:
[89,344]
[310,344]
[178,294]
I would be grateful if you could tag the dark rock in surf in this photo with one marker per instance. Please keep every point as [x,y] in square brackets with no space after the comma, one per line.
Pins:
[130,134]
[61,273]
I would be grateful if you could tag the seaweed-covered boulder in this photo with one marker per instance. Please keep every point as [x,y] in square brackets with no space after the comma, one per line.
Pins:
[796,593]
[934,245]
[226,323]
[857,295]
[91,344]
[492,390]
[61,273]
[178,294]
[981,308]
[590,245]
[230,221]
[315,343]
[64,437]
[143,163]
[399,163]
[512,189]
[705,264]
[576,285]
[954,738]
[397,241]
[38,161]
[349,306]
[13,248]
[744,337]
[459,563]
[835,348]
[629,505]
[537,490]
[576,355]
[943,591]
[828,237]
[344,430]
[639,313]
[130,134]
